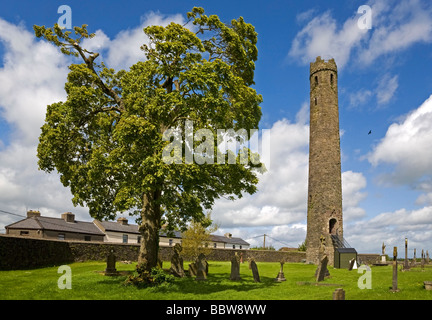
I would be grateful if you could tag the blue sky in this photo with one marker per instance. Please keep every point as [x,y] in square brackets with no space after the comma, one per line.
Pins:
[384,86]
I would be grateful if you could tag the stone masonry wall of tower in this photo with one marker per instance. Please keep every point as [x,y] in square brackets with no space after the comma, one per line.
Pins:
[324,215]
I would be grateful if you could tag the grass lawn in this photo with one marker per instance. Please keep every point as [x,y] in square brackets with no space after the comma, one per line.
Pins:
[89,283]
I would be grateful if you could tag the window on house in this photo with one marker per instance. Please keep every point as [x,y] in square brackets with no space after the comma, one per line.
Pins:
[170,241]
[24,233]
[233,246]
[125,238]
[61,236]
[139,239]
[87,238]
[215,245]
[240,246]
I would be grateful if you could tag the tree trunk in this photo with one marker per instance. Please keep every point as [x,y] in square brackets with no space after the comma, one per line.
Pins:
[149,229]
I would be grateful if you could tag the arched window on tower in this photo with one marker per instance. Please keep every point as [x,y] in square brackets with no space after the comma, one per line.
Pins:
[316,80]
[331,78]
[315,100]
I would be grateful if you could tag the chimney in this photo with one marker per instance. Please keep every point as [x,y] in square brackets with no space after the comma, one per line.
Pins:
[228,235]
[33,213]
[122,221]
[68,217]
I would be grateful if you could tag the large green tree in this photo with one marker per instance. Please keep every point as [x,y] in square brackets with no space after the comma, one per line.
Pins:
[107,139]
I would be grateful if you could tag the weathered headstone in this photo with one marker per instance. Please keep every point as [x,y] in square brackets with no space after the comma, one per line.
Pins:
[177,268]
[202,266]
[322,270]
[339,294]
[427,256]
[254,267]
[414,260]
[235,267]
[406,266]
[395,271]
[193,269]
[422,260]
[111,262]
[351,264]
[281,277]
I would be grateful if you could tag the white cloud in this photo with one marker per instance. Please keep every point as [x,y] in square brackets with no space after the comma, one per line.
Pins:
[396,26]
[406,145]
[32,77]
[352,184]
[386,88]
[322,37]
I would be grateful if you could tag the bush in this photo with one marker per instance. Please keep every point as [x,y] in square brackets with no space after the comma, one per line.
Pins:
[156,277]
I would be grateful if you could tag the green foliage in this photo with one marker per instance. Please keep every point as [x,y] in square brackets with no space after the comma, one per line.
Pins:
[106,142]
[156,277]
[196,239]
[302,247]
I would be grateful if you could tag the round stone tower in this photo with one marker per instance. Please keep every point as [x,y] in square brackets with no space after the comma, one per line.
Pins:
[324,216]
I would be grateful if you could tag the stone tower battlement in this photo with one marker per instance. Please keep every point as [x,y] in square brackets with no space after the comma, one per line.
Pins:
[321,65]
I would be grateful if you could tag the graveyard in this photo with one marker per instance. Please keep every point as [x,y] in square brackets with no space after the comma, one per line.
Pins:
[89,282]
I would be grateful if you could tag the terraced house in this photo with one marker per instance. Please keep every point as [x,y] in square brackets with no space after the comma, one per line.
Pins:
[67,228]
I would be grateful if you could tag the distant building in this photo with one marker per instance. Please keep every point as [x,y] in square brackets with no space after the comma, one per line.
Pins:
[64,228]
[120,231]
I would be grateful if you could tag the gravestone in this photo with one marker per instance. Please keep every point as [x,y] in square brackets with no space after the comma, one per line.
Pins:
[322,270]
[351,264]
[422,260]
[281,277]
[202,266]
[235,267]
[394,280]
[339,294]
[254,267]
[177,262]
[110,268]
[427,256]
[414,260]
[406,266]
[193,269]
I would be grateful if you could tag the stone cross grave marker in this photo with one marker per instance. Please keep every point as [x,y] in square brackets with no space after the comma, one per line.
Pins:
[281,277]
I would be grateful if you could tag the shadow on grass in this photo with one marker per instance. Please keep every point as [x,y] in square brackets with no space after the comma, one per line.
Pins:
[220,282]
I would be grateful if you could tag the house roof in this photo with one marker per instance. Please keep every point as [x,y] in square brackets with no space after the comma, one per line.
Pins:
[56,224]
[231,240]
[117,227]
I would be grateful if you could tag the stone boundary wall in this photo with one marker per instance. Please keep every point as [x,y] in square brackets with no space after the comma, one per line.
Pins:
[368,258]
[28,253]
